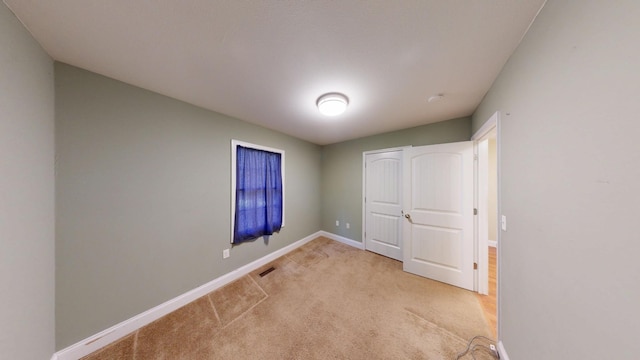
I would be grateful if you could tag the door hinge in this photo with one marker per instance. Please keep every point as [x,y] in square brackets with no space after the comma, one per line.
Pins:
[475,266]
[475,211]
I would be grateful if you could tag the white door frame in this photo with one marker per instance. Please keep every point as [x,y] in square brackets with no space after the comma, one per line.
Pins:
[481,231]
[481,203]
[364,186]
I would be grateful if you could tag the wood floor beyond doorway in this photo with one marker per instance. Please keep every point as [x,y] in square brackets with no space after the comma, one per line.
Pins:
[488,302]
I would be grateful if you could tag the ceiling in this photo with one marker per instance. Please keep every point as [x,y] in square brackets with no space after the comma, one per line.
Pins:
[267,61]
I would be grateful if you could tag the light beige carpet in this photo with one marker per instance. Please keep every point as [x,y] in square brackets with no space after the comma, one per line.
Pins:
[325,300]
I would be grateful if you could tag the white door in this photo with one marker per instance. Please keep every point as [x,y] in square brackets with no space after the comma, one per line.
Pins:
[438,200]
[383,203]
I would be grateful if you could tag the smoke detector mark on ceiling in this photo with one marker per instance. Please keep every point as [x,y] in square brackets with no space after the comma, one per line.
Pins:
[435,98]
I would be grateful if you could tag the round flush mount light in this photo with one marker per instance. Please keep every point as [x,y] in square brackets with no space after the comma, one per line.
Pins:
[332,104]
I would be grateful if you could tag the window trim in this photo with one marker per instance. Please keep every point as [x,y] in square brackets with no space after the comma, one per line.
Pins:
[234,145]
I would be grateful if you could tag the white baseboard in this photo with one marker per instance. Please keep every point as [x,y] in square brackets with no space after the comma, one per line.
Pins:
[493,243]
[342,239]
[106,337]
[502,352]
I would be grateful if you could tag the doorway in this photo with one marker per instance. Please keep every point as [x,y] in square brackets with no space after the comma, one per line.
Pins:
[418,208]
[486,242]
[486,143]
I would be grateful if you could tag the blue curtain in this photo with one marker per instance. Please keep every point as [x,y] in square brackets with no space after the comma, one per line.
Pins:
[258,194]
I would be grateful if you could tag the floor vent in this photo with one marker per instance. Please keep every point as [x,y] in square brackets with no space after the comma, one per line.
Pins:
[262,274]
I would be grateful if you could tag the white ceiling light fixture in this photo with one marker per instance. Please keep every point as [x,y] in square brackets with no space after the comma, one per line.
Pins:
[332,104]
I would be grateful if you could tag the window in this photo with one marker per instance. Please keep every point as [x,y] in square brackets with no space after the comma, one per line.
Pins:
[257,191]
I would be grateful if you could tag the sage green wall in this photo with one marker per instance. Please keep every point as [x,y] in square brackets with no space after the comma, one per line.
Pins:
[342,170]
[570,169]
[27,234]
[143,199]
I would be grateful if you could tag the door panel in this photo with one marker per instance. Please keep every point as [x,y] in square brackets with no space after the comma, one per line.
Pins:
[386,229]
[439,177]
[438,199]
[383,203]
[437,246]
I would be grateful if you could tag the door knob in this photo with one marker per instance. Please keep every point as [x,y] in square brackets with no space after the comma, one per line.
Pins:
[408,216]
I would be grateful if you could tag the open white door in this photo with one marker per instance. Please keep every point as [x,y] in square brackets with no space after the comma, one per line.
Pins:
[438,203]
[383,203]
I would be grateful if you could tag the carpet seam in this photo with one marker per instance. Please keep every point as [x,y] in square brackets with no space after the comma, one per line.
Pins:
[446,331]
[246,311]
[290,259]
[135,344]
[325,255]
[258,285]
[215,311]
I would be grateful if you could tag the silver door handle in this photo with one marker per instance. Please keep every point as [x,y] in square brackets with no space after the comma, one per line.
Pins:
[408,216]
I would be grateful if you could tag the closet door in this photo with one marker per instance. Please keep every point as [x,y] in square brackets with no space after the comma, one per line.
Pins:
[383,203]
